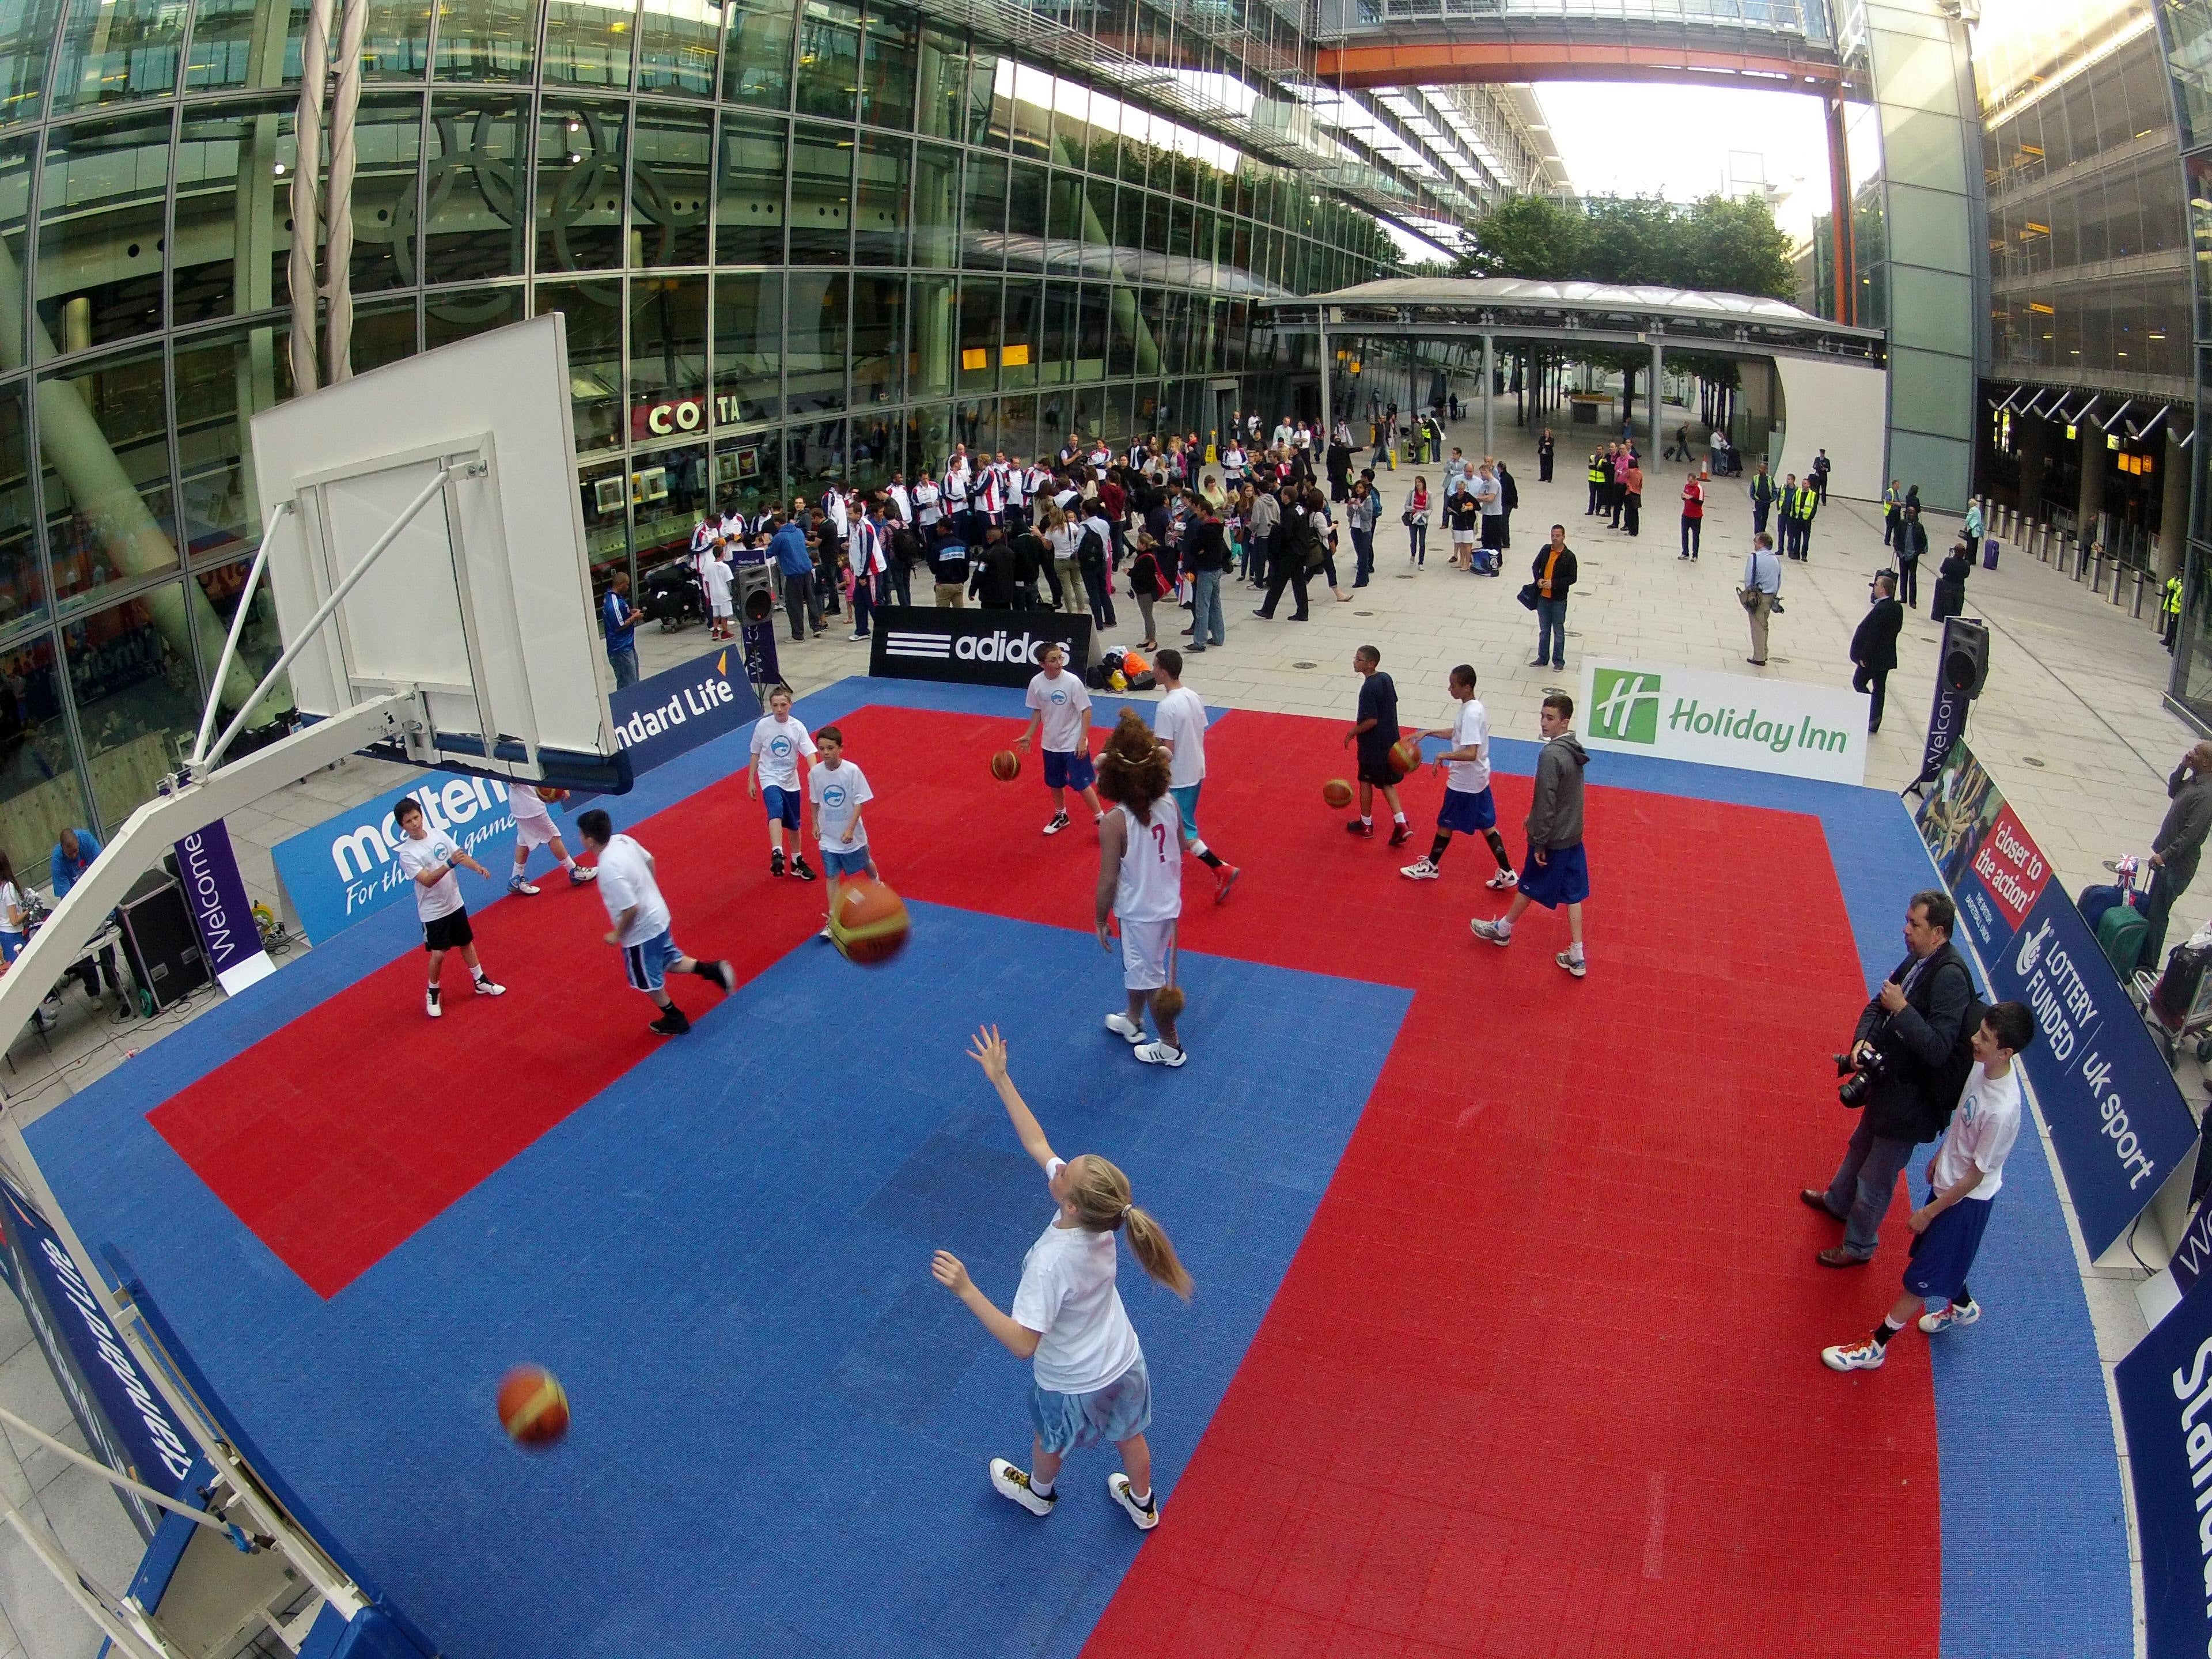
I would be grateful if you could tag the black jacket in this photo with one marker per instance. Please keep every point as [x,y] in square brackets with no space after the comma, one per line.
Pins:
[1914,1099]
[1874,645]
[1562,579]
[1207,548]
[995,575]
[2180,839]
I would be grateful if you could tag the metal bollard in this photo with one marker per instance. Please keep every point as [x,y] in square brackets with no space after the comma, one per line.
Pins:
[2064,550]
[2120,583]
[2137,610]
[2096,570]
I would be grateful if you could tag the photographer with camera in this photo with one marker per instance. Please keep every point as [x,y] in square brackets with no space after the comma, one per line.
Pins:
[1902,1075]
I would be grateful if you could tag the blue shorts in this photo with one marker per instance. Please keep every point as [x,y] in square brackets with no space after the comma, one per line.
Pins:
[1121,1411]
[1562,879]
[648,964]
[1068,771]
[1186,800]
[836,863]
[782,805]
[1941,1255]
[1467,812]
[11,945]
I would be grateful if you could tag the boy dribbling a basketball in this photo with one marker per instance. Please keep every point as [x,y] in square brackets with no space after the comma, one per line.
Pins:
[1375,731]
[630,888]
[772,774]
[430,857]
[534,827]
[1468,805]
[1059,708]
[839,790]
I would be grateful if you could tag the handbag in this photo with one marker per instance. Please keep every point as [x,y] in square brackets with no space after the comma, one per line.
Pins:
[1407,518]
[1748,598]
[1527,596]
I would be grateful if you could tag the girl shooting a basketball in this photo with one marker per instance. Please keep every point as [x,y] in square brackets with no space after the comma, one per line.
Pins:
[1091,1382]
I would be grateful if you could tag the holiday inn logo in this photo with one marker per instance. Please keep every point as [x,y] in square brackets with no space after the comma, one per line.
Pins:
[1625,706]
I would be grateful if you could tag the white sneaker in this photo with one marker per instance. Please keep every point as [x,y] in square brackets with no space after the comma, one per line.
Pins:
[582,875]
[1010,1482]
[516,885]
[1161,1054]
[1421,871]
[488,987]
[1122,1026]
[1954,1313]
[1573,964]
[1864,1355]
[1146,1516]
[1495,931]
[1059,822]
[431,1004]
[1505,881]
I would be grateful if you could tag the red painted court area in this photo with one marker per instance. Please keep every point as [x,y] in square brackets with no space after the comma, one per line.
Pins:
[1543,1378]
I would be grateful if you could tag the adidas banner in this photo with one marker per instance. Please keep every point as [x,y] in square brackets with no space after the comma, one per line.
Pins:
[972,647]
[1756,725]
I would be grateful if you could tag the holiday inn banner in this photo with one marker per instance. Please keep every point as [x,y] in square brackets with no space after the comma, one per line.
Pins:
[1755,725]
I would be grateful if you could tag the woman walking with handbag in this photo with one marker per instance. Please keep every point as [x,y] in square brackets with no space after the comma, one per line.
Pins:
[1415,518]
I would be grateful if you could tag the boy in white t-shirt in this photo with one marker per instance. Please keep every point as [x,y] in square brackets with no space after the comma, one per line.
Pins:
[1059,706]
[839,790]
[779,742]
[630,886]
[533,828]
[714,572]
[1963,1177]
[1090,1382]
[429,857]
[1468,805]
[1178,724]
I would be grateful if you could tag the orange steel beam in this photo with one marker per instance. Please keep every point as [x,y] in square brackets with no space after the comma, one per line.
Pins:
[1444,63]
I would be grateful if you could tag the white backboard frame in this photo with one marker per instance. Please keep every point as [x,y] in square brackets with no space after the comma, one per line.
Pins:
[483,601]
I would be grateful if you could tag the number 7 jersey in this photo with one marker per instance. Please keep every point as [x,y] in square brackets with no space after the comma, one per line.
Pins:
[1149,887]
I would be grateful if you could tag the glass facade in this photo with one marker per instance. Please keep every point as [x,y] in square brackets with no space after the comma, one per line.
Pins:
[792,242]
[2184,34]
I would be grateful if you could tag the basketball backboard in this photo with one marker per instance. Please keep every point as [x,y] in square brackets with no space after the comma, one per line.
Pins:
[451,477]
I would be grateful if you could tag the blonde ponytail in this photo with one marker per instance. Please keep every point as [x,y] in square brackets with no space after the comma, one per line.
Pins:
[1103,1205]
[1156,1252]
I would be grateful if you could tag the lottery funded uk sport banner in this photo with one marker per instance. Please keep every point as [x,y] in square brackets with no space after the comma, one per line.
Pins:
[2116,1116]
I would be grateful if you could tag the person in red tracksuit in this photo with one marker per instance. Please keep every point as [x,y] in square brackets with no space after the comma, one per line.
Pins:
[1693,515]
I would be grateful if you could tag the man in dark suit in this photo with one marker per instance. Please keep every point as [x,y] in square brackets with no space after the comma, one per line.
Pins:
[1873,648]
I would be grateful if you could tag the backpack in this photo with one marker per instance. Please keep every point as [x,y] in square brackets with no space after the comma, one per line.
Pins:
[1950,1078]
[1091,552]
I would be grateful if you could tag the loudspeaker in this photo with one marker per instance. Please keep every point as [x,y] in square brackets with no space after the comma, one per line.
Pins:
[756,596]
[160,940]
[1965,666]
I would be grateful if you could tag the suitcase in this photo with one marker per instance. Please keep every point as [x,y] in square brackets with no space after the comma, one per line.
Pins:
[2095,902]
[1989,554]
[2121,936]
[2176,995]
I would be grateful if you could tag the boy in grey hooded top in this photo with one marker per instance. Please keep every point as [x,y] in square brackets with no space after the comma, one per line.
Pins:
[1557,872]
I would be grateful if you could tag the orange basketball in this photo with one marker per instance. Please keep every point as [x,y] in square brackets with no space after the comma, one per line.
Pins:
[1167,1003]
[867,922]
[1337,793]
[533,1407]
[548,792]
[1005,766]
[1405,756]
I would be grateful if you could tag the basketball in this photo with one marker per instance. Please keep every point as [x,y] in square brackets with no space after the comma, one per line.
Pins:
[1005,766]
[1337,793]
[547,792]
[533,1407]
[1167,1003]
[868,922]
[1405,756]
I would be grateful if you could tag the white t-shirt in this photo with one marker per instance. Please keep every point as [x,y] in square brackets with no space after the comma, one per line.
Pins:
[1066,704]
[1149,885]
[11,898]
[1984,1125]
[1068,1297]
[717,575]
[526,803]
[777,745]
[838,794]
[1470,728]
[443,897]
[1181,719]
[626,879]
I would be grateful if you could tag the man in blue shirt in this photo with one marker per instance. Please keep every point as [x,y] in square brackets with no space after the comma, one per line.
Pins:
[794,561]
[72,856]
[621,625]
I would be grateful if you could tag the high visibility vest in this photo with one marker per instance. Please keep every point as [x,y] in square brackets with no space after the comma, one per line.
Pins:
[1805,504]
[2173,596]
[1597,472]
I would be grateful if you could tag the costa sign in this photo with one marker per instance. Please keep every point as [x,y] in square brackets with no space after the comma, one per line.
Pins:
[668,417]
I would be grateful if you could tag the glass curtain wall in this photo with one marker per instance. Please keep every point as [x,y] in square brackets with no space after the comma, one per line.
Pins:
[793,242]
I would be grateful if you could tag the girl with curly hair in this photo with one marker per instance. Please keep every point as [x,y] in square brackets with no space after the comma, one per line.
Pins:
[1141,881]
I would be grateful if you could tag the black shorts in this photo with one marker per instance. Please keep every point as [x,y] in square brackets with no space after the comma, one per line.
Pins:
[1378,770]
[448,932]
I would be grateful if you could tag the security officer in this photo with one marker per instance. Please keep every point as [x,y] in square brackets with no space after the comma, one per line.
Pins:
[1808,503]
[1762,498]
[2170,608]
[1599,476]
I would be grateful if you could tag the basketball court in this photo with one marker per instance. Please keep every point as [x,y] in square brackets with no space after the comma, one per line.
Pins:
[1507,1326]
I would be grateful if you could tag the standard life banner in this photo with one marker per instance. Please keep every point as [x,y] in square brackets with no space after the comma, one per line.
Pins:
[1785,726]
[972,647]
[2165,1387]
[2116,1117]
[347,867]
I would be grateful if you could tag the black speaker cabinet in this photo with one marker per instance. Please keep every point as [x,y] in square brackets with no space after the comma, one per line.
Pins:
[160,940]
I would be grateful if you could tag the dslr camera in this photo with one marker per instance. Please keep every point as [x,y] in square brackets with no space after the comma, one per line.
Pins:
[1859,1075]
